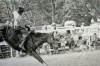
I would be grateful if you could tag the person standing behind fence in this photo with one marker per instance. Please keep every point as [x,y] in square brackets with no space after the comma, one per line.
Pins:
[80,41]
[56,35]
[55,46]
[75,37]
[45,47]
[72,43]
[81,44]
[66,41]
[95,41]
[69,39]
[62,40]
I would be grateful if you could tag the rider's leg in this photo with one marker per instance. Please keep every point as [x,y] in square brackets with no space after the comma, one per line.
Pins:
[22,43]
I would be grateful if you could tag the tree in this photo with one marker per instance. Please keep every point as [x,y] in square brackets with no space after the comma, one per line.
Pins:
[40,12]
[77,11]
[95,8]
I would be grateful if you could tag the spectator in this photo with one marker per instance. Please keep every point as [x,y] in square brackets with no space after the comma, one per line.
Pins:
[45,47]
[69,36]
[66,41]
[54,26]
[62,40]
[55,47]
[75,37]
[95,41]
[80,41]
[56,35]
[81,44]
[72,44]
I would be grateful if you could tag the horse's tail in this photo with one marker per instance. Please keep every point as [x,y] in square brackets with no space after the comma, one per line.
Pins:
[38,58]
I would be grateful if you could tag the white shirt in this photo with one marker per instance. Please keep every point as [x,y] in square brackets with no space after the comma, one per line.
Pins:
[17,18]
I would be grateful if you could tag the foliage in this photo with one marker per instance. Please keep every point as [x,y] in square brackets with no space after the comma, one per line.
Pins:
[40,12]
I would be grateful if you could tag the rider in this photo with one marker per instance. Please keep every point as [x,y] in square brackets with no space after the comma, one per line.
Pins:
[17,16]
[17,23]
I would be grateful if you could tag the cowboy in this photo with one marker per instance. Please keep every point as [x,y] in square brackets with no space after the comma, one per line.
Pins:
[17,16]
[17,23]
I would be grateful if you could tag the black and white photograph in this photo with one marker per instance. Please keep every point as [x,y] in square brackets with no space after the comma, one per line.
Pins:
[49,32]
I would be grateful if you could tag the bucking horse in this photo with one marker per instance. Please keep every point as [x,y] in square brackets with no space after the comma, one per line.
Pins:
[32,41]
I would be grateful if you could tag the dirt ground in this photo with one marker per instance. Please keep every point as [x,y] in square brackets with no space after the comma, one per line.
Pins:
[86,58]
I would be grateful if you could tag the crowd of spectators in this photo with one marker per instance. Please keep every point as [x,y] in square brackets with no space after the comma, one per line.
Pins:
[74,41]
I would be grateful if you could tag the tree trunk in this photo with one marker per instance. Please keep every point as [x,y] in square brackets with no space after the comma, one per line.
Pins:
[53,11]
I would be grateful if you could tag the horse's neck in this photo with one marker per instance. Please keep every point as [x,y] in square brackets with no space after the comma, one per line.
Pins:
[38,40]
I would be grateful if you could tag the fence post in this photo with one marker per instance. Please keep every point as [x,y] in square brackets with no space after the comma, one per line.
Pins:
[16,53]
[11,52]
